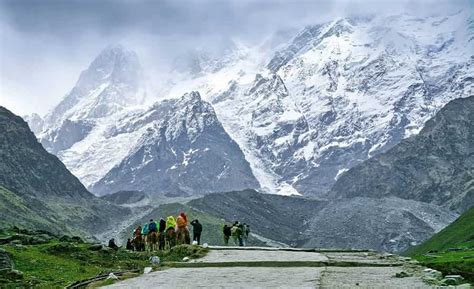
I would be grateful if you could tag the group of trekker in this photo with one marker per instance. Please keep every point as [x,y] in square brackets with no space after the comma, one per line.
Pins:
[164,235]
[239,233]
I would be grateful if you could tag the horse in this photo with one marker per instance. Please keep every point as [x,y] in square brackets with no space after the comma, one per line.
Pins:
[183,236]
[170,238]
[152,241]
[138,243]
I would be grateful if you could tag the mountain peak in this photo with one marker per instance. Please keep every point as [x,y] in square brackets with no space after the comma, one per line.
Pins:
[115,64]
[191,97]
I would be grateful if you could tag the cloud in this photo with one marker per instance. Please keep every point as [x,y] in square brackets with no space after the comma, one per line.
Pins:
[45,44]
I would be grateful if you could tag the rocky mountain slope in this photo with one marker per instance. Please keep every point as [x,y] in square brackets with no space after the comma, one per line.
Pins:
[390,202]
[389,224]
[459,234]
[124,198]
[183,150]
[37,190]
[436,166]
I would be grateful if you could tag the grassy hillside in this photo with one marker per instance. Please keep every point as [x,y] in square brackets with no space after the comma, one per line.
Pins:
[38,191]
[16,210]
[460,234]
[43,260]
[451,251]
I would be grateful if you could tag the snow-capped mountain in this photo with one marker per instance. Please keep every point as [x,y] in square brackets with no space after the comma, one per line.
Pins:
[337,94]
[183,150]
[111,142]
[35,122]
[301,109]
[112,83]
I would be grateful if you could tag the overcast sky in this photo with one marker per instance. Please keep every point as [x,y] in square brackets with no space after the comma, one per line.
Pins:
[44,45]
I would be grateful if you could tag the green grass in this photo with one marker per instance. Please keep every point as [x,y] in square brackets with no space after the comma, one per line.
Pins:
[46,269]
[437,252]
[15,210]
[457,263]
[57,264]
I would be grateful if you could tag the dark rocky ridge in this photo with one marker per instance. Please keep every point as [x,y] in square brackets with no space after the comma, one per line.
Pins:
[39,185]
[276,217]
[436,166]
[125,197]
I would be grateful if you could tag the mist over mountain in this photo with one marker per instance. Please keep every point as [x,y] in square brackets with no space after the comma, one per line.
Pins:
[303,107]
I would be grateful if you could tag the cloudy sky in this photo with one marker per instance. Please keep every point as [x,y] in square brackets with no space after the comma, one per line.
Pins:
[44,45]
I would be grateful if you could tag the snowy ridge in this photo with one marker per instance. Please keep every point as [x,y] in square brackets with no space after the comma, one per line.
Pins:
[301,109]
[346,90]
[182,150]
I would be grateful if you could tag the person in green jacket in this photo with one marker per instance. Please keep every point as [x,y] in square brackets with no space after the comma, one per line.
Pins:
[237,234]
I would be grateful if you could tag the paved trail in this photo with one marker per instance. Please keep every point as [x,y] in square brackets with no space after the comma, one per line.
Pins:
[273,268]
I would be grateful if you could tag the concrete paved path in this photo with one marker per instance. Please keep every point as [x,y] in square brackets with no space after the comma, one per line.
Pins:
[283,269]
[254,255]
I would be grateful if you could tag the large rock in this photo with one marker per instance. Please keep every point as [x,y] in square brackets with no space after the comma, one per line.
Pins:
[6,262]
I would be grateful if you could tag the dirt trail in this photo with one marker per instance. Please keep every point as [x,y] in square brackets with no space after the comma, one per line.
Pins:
[284,268]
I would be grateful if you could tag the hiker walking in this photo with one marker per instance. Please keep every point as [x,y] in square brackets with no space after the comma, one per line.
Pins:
[237,234]
[227,233]
[240,234]
[245,234]
[197,230]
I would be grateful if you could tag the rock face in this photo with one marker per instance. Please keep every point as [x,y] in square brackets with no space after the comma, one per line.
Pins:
[126,197]
[6,262]
[38,189]
[184,150]
[280,218]
[436,166]
[388,224]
